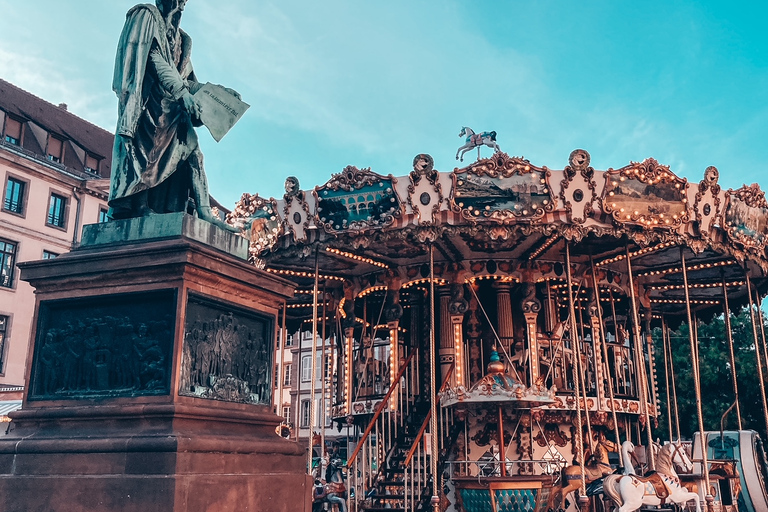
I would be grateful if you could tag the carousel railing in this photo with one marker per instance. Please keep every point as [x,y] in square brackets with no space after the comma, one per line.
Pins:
[368,460]
[417,459]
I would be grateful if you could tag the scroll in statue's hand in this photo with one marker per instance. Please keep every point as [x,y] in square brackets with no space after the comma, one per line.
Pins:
[191,105]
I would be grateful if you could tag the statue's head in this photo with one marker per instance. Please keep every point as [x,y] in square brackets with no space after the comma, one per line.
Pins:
[171,10]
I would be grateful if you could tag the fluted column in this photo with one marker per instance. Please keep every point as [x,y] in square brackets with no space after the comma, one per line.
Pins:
[506,328]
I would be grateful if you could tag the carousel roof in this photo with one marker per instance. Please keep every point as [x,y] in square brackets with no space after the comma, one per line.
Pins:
[504,218]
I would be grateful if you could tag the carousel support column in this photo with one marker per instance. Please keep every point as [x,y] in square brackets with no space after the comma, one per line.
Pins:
[600,336]
[474,333]
[666,375]
[696,377]
[502,448]
[349,340]
[348,323]
[582,499]
[323,404]
[758,302]
[674,382]
[457,308]
[757,346]
[312,384]
[447,349]
[731,354]
[652,377]
[531,305]
[640,360]
[393,312]
[435,500]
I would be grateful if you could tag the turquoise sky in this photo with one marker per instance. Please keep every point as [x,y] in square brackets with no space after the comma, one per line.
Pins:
[372,84]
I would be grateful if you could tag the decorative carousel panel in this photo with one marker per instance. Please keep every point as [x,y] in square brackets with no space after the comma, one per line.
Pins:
[646,194]
[746,216]
[578,190]
[357,200]
[706,206]
[425,194]
[257,219]
[502,189]
[296,210]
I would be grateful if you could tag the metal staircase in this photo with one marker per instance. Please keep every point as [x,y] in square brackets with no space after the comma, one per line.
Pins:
[390,467]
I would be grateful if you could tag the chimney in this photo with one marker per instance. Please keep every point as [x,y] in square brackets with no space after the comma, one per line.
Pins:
[63,106]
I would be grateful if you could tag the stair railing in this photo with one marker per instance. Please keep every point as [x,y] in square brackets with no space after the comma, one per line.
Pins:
[417,460]
[367,461]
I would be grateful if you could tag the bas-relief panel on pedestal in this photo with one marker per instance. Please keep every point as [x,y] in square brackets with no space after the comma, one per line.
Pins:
[104,347]
[226,354]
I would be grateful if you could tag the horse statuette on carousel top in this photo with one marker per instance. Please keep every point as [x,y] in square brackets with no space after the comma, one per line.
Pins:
[475,140]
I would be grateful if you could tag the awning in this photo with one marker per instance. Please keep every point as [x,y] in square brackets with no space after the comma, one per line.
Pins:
[6,407]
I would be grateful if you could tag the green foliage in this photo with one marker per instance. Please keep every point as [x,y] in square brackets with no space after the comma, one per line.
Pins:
[716,378]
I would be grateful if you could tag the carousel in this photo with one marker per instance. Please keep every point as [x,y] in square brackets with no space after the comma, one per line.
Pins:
[492,328]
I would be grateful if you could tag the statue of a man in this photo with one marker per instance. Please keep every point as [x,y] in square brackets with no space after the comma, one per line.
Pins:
[157,164]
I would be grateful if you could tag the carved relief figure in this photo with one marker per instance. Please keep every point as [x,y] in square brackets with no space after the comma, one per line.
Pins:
[225,359]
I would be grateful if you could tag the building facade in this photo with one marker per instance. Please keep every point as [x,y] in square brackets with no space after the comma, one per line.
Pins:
[54,178]
[293,391]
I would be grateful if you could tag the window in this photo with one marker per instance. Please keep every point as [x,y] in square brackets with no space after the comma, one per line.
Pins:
[56,211]
[14,195]
[287,414]
[12,131]
[91,164]
[289,340]
[54,149]
[48,255]
[103,215]
[4,320]
[7,263]
[287,375]
[306,368]
[304,419]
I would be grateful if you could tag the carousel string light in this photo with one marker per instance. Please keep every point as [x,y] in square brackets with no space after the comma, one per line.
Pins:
[639,252]
[698,266]
[696,285]
[682,301]
[371,290]
[546,245]
[302,273]
[438,281]
[302,305]
[490,277]
[356,257]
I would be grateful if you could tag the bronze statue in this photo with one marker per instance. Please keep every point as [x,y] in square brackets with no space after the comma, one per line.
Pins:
[157,164]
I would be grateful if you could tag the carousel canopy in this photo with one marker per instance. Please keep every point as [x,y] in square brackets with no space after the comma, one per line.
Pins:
[504,218]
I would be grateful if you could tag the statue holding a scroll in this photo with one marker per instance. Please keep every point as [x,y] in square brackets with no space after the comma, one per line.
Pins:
[157,165]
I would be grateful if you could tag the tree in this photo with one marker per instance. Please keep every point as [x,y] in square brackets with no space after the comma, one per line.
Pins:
[716,380]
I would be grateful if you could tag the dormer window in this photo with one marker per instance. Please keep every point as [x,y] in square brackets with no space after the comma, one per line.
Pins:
[55,147]
[91,164]
[12,131]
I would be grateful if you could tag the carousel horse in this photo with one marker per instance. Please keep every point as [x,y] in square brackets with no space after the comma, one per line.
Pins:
[631,492]
[475,140]
[570,480]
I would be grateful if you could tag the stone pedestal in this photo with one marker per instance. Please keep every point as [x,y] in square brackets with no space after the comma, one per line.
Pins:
[149,379]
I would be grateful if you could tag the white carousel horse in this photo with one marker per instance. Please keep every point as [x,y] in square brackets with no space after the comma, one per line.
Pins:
[475,140]
[632,492]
